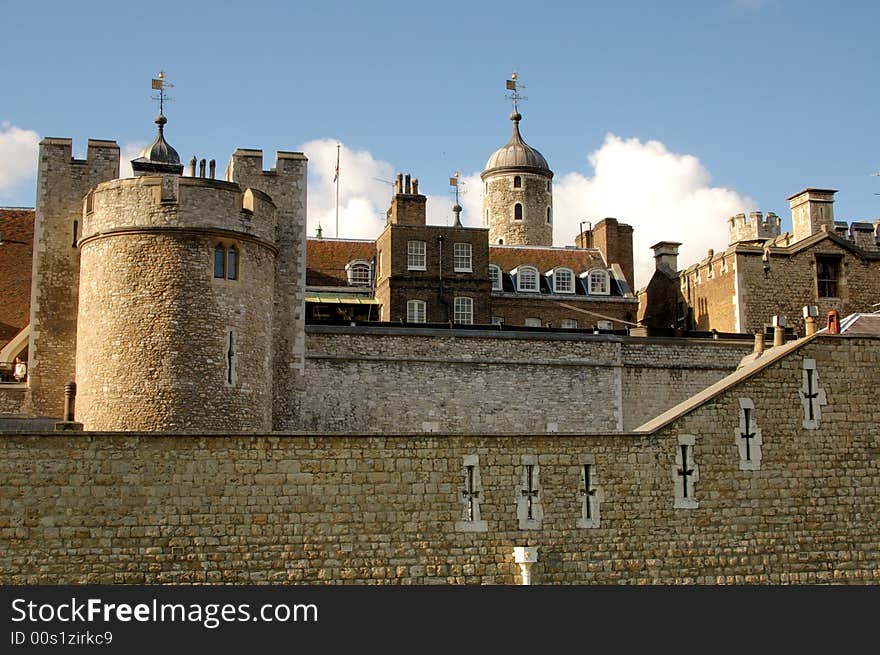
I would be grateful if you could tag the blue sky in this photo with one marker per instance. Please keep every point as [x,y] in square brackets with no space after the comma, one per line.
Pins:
[732,104]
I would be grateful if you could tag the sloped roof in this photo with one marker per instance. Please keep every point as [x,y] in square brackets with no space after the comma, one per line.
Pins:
[861,324]
[545,258]
[326,260]
[16,257]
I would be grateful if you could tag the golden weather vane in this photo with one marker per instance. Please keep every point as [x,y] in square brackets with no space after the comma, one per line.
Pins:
[159,83]
[513,85]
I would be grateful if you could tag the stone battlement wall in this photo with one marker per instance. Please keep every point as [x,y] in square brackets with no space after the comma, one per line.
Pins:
[389,380]
[287,508]
[178,202]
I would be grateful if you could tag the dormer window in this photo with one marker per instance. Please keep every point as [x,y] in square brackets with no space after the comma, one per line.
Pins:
[527,279]
[359,273]
[495,277]
[598,282]
[563,280]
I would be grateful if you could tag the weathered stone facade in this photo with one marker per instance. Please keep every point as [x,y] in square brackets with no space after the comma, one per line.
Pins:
[388,380]
[536,199]
[138,508]
[62,181]
[163,344]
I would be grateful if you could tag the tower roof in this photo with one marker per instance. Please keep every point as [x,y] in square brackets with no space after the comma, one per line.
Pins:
[516,154]
[159,156]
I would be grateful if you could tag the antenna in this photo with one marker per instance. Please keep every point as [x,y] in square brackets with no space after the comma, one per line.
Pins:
[159,84]
[514,86]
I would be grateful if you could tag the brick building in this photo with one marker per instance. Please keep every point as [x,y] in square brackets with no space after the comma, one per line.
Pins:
[822,263]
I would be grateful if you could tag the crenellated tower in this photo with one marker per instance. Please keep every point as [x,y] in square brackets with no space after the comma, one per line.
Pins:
[62,182]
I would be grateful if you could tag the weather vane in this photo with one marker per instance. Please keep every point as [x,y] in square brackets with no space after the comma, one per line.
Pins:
[458,185]
[160,84]
[514,87]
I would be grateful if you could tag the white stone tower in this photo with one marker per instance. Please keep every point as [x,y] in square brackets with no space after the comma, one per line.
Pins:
[518,193]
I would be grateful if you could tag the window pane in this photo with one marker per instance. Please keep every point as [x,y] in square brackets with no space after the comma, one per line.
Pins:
[232,264]
[359,275]
[415,311]
[517,212]
[533,322]
[569,323]
[464,310]
[527,279]
[563,280]
[599,282]
[462,257]
[827,274]
[219,260]
[416,255]
[495,277]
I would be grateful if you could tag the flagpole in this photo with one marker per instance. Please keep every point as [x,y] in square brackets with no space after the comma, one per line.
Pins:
[338,146]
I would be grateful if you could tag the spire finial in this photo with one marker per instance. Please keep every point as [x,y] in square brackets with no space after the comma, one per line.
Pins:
[514,87]
[458,186]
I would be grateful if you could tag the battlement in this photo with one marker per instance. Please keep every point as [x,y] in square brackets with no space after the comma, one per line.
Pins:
[170,201]
[249,161]
[755,227]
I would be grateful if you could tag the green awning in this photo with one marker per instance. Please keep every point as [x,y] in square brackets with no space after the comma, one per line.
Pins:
[341,298]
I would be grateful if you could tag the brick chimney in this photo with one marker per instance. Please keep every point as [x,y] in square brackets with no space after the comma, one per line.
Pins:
[407,205]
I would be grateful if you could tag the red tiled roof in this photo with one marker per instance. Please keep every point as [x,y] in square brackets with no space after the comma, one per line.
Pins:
[16,255]
[578,260]
[326,260]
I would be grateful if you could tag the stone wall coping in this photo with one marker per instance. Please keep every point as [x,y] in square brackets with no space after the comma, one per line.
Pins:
[513,333]
[91,435]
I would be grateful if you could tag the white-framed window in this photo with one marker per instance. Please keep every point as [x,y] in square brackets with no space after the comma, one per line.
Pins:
[598,282]
[527,279]
[517,212]
[415,311]
[605,325]
[497,320]
[359,273]
[462,257]
[533,321]
[415,255]
[464,310]
[495,277]
[563,280]
[569,323]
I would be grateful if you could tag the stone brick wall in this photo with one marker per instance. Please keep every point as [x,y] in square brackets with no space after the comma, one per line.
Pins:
[62,182]
[113,508]
[380,380]
[12,399]
[710,290]
[535,196]
[286,185]
[791,284]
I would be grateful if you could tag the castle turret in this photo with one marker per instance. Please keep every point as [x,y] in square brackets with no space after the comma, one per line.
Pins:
[62,181]
[176,306]
[812,210]
[518,194]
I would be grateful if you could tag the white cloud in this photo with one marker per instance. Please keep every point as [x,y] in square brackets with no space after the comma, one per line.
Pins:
[364,190]
[18,156]
[128,152]
[664,195]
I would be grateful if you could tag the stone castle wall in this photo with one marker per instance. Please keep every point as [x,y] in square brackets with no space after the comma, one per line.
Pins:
[388,380]
[286,185]
[62,182]
[129,508]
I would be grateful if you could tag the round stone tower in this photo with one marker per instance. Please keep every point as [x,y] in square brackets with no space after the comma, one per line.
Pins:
[518,194]
[175,304]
